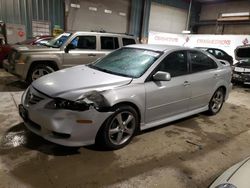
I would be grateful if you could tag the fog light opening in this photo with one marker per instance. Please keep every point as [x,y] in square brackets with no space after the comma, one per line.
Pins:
[60,135]
[84,121]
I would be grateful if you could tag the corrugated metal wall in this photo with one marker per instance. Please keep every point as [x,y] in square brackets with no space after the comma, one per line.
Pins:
[184,4]
[24,11]
[85,19]
[140,13]
[168,19]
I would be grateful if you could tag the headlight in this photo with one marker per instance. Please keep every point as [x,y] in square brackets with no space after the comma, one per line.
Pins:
[86,100]
[59,103]
[226,185]
[21,59]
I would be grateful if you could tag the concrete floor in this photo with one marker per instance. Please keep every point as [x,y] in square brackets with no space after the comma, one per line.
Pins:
[187,153]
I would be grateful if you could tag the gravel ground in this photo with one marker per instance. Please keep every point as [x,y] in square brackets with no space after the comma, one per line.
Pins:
[187,153]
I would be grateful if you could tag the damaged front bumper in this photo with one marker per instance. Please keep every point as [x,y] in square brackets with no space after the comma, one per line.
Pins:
[61,126]
[242,77]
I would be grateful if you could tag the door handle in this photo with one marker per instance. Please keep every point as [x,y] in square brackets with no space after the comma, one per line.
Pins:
[186,83]
[91,55]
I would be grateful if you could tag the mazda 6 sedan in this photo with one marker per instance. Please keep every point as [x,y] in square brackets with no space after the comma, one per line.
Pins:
[133,88]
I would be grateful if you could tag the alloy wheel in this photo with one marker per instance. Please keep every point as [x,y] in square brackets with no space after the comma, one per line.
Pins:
[39,73]
[217,101]
[121,128]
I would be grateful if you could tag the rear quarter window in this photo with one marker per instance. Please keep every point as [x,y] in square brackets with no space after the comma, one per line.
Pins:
[128,41]
[201,62]
[109,43]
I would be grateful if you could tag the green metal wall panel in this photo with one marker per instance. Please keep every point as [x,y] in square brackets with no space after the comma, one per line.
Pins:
[24,11]
[174,3]
[140,12]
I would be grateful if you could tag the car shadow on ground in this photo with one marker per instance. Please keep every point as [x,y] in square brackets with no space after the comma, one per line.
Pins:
[242,86]
[16,85]
[20,136]
[10,83]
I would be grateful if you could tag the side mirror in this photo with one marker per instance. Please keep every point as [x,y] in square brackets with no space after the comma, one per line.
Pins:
[69,47]
[162,76]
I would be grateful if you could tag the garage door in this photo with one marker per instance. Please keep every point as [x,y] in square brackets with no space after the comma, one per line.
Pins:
[167,19]
[108,15]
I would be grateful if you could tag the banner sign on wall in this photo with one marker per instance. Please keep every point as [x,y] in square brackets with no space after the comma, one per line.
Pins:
[15,33]
[228,43]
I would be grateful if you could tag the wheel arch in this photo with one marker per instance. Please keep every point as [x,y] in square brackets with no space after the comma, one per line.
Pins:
[113,108]
[128,104]
[52,64]
[224,90]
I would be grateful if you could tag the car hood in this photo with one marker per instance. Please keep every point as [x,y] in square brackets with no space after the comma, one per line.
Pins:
[238,175]
[240,178]
[242,52]
[69,83]
[33,48]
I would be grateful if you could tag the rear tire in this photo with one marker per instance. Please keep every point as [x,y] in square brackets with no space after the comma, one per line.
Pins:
[119,129]
[216,102]
[38,71]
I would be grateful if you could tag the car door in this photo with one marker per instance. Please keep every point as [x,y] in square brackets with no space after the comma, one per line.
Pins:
[168,98]
[203,78]
[83,51]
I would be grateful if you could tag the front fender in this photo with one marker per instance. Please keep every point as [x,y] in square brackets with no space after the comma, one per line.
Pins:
[38,58]
[134,94]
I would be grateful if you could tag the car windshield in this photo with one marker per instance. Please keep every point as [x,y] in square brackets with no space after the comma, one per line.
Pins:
[129,62]
[58,41]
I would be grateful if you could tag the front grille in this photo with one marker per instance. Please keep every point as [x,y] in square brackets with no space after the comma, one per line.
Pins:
[13,56]
[33,97]
[60,135]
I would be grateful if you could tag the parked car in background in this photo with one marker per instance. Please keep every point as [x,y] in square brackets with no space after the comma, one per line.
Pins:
[241,70]
[218,53]
[5,49]
[66,50]
[135,87]
[236,176]
[36,40]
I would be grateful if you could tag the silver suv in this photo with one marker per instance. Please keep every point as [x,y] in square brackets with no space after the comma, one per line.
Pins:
[66,50]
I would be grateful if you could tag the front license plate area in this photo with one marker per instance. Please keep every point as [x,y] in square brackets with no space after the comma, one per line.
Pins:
[23,112]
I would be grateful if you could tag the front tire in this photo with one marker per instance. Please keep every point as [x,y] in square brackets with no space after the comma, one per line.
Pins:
[38,71]
[119,129]
[216,102]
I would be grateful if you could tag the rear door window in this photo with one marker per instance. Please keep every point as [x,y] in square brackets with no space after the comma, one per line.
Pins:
[109,43]
[127,41]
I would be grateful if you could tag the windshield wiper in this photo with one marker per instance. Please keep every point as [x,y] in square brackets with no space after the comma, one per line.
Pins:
[107,71]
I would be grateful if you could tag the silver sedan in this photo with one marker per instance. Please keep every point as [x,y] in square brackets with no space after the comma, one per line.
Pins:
[134,88]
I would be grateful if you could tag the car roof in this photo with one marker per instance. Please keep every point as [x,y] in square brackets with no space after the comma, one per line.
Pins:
[104,33]
[157,47]
[208,48]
